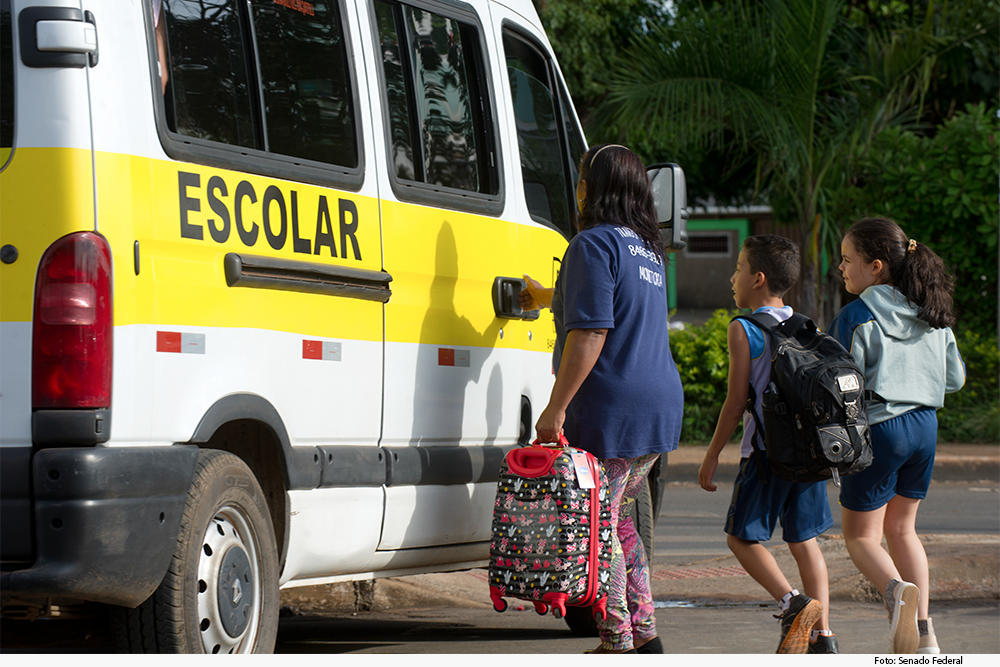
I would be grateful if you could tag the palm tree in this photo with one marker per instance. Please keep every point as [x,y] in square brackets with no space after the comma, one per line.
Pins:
[790,83]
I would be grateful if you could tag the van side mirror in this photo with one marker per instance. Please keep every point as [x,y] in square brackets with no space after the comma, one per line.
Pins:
[670,200]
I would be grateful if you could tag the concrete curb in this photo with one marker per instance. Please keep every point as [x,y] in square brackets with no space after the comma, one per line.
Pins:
[952,463]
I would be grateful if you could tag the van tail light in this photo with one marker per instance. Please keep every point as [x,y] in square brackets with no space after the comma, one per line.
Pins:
[71,335]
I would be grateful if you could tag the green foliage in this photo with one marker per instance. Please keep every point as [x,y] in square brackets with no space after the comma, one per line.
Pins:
[973,413]
[792,85]
[702,358]
[587,36]
[943,191]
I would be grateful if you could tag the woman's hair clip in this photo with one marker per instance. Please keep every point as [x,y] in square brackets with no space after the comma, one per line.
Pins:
[912,247]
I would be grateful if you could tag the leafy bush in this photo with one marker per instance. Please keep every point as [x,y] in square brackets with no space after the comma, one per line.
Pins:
[973,413]
[702,358]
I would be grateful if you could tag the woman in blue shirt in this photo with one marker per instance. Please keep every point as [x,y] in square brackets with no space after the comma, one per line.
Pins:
[617,392]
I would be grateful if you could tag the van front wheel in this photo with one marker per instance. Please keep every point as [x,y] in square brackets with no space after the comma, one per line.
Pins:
[220,593]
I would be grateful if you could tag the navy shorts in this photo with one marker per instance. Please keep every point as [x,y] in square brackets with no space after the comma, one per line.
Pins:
[903,449]
[756,508]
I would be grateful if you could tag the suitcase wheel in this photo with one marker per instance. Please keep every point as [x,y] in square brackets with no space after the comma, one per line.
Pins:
[541,608]
[500,605]
[600,609]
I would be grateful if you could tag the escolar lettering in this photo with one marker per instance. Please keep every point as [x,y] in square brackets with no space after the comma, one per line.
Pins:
[274,214]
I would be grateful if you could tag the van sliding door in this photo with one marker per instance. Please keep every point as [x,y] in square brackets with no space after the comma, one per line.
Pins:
[453,371]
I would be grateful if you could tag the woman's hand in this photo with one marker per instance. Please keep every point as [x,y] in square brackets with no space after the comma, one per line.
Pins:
[549,426]
[534,296]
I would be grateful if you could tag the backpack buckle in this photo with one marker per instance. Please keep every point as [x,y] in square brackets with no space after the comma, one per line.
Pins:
[852,410]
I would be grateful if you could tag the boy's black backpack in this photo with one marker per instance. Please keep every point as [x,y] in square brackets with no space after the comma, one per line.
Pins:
[815,423]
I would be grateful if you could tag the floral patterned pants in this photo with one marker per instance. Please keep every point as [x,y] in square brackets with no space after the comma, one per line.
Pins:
[630,604]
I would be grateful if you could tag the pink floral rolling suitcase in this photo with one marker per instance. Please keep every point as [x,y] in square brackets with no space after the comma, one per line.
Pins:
[552,528]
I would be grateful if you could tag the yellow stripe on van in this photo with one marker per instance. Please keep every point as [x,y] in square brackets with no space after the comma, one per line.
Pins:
[444,263]
[46,194]
[187,218]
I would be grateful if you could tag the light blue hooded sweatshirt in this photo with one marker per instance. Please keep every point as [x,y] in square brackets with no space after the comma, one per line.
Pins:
[904,360]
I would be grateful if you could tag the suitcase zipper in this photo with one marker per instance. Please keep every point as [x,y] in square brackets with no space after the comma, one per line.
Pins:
[595,538]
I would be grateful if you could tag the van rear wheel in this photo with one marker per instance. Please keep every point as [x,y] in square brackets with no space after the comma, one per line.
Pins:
[220,593]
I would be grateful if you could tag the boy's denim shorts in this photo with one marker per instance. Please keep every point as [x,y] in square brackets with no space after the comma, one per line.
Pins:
[904,459]
[756,508]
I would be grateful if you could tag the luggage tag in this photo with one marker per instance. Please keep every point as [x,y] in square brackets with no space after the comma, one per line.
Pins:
[584,476]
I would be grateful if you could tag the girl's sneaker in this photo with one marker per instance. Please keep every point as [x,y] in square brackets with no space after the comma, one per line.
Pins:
[928,642]
[901,601]
[824,644]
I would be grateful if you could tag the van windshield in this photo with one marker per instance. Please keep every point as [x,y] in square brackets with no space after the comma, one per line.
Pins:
[6,83]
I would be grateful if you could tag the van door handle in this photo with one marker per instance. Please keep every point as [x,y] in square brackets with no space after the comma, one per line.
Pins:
[505,291]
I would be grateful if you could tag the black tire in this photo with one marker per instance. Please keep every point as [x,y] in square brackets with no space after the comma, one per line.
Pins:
[642,516]
[220,593]
[581,620]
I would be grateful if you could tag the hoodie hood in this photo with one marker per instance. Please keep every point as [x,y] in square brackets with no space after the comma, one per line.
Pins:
[894,313]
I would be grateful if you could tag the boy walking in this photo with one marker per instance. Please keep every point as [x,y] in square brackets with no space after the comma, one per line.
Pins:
[767,267]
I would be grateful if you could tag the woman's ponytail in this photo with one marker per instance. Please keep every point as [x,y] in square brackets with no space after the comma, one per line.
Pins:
[914,269]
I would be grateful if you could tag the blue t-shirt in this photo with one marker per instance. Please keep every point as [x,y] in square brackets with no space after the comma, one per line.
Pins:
[631,403]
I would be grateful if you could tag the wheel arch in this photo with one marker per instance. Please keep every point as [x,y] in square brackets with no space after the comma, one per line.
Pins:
[249,427]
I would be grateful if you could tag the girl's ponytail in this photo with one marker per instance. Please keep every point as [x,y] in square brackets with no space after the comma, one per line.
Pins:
[913,268]
[923,280]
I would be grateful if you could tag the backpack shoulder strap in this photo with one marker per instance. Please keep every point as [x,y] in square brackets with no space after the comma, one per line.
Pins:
[762,320]
[786,328]
[757,440]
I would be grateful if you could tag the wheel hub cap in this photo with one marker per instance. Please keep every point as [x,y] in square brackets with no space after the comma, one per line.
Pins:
[235,591]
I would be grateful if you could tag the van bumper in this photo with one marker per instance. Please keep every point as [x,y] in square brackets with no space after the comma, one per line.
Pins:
[106,521]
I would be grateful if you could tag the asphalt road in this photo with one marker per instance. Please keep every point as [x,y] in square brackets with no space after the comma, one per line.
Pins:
[718,629]
[691,519]
[690,529]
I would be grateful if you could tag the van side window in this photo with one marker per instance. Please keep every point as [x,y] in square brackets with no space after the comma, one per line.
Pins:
[262,74]
[306,82]
[209,77]
[549,142]
[439,126]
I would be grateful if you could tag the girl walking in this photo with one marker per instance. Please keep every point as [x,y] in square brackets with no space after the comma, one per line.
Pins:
[899,333]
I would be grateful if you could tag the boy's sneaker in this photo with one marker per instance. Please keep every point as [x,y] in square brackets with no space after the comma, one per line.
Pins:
[901,601]
[928,642]
[796,622]
[824,644]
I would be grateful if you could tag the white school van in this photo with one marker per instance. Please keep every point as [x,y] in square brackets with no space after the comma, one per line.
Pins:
[258,297]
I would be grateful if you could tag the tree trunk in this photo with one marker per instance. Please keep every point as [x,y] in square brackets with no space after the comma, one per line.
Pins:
[807,300]
[810,270]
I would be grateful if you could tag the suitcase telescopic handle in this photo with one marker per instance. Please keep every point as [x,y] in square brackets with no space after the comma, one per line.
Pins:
[563,442]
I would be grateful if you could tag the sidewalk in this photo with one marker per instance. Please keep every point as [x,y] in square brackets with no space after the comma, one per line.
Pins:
[951,463]
[963,567]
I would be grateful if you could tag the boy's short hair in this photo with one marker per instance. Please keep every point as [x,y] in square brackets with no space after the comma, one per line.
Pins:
[777,258]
